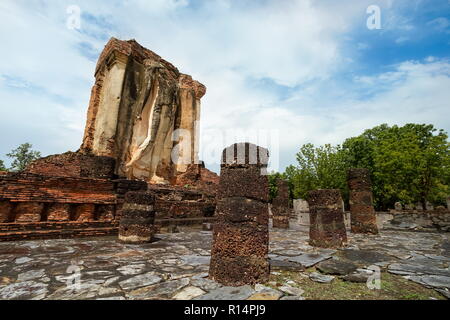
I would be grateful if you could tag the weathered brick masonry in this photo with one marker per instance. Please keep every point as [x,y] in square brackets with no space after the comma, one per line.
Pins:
[138,218]
[280,206]
[327,227]
[241,237]
[82,193]
[37,206]
[363,217]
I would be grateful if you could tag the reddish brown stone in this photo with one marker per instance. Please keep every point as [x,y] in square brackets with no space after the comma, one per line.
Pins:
[5,211]
[84,212]
[240,247]
[27,187]
[237,270]
[327,227]
[28,212]
[363,216]
[280,206]
[74,164]
[240,209]
[240,239]
[58,212]
[245,182]
[138,218]
[199,178]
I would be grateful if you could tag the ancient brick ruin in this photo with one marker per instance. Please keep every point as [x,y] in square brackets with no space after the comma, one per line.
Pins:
[363,217]
[280,206]
[239,252]
[138,103]
[137,223]
[327,227]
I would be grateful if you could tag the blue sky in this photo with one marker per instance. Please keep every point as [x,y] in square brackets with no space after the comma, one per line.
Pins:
[309,70]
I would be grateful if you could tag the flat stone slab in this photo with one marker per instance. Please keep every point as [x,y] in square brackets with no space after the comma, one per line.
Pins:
[321,278]
[414,269]
[359,276]
[189,293]
[176,266]
[336,267]
[24,290]
[434,281]
[365,257]
[293,291]
[228,293]
[163,290]
[285,265]
[309,259]
[140,281]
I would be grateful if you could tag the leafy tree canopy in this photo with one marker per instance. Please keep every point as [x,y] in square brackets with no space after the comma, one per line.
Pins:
[409,164]
[22,156]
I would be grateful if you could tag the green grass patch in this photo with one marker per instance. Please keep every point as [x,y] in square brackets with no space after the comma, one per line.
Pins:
[393,287]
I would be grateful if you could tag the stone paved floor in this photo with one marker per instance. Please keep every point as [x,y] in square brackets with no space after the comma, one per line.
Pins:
[176,266]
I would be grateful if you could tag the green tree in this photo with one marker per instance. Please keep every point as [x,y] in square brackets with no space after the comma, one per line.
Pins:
[22,156]
[408,164]
[273,189]
[2,166]
[322,167]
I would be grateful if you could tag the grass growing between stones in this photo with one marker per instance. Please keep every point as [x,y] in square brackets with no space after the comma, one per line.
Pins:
[393,287]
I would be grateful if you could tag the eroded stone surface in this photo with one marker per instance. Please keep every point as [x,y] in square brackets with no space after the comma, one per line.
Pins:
[239,254]
[336,267]
[137,102]
[322,278]
[229,293]
[179,263]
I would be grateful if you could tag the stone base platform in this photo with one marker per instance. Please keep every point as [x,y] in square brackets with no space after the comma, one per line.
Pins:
[176,265]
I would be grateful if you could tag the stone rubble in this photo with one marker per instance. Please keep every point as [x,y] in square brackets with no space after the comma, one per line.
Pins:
[113,270]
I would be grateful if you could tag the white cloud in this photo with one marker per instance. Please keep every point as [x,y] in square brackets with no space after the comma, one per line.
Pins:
[440,24]
[230,46]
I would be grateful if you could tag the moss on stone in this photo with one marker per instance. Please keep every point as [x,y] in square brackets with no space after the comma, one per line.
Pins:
[393,287]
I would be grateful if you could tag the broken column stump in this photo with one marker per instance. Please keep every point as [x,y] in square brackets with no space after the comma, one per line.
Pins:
[363,217]
[138,218]
[327,226]
[280,206]
[239,254]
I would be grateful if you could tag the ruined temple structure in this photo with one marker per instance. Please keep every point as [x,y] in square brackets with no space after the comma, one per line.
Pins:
[137,223]
[327,226]
[239,252]
[363,217]
[138,103]
[280,206]
[142,115]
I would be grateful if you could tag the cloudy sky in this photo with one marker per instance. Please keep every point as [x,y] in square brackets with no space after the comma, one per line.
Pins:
[302,71]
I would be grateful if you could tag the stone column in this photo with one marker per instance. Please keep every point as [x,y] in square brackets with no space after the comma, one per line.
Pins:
[240,247]
[280,206]
[363,216]
[138,218]
[327,226]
